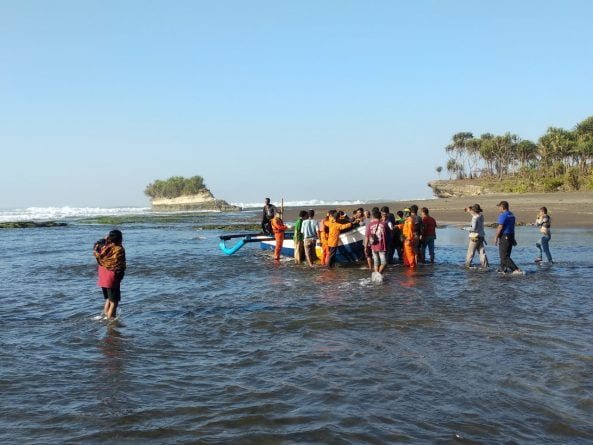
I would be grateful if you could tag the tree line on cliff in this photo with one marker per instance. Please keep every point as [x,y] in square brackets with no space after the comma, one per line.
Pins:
[175,186]
[560,159]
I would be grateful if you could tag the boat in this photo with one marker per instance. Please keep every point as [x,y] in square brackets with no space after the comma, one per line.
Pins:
[350,248]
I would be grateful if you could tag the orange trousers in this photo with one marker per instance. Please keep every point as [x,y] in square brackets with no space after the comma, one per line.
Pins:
[324,249]
[409,253]
[279,241]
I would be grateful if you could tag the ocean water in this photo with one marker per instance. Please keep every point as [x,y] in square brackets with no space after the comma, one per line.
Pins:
[238,349]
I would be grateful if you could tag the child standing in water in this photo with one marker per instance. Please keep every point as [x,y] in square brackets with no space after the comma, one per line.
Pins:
[544,222]
[111,257]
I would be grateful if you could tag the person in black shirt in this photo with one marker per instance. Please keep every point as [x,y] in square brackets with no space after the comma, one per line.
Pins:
[268,213]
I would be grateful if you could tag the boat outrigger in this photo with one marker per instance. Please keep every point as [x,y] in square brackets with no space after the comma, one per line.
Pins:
[350,248]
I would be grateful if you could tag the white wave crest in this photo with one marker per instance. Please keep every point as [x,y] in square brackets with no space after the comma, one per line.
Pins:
[305,203]
[59,213]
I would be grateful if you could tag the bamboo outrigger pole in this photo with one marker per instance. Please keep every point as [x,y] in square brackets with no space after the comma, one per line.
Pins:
[282,209]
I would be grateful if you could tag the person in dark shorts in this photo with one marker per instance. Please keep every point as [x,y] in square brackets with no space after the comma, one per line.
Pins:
[111,258]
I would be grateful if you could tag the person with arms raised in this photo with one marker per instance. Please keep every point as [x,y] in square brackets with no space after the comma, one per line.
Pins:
[333,238]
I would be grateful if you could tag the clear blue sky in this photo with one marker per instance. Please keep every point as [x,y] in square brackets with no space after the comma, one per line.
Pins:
[302,100]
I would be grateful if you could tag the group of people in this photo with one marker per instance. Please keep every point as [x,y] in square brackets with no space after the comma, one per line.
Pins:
[406,233]
[505,237]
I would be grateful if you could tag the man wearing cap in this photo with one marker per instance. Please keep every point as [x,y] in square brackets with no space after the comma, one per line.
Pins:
[505,238]
[476,237]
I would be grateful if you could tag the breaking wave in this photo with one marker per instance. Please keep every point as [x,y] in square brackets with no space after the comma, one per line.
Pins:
[58,213]
[305,203]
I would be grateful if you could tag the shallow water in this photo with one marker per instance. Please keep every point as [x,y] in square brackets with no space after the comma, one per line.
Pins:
[217,349]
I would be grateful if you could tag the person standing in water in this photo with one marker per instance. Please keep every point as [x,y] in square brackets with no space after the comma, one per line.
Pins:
[409,250]
[278,228]
[299,249]
[111,258]
[505,238]
[333,237]
[323,234]
[310,231]
[477,236]
[376,237]
[544,222]
[268,213]
[429,234]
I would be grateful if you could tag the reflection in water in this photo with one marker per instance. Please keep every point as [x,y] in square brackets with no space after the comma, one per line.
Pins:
[410,279]
[110,377]
[240,349]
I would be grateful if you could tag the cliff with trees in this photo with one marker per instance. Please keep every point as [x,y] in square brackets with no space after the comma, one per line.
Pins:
[560,160]
[183,194]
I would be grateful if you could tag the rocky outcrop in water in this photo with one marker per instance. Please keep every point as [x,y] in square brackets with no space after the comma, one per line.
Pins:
[31,224]
[453,189]
[204,200]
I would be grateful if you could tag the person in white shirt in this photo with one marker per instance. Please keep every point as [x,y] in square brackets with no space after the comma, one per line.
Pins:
[310,232]
[544,222]
[477,236]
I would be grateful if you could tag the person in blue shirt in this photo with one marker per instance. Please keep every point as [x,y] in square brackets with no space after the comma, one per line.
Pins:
[505,238]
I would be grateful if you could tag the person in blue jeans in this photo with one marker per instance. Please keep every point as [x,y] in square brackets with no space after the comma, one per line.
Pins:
[505,238]
[544,222]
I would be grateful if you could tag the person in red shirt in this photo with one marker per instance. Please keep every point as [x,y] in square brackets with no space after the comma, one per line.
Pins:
[428,234]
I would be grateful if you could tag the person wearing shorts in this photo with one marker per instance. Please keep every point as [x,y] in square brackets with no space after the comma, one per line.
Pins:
[111,259]
[376,237]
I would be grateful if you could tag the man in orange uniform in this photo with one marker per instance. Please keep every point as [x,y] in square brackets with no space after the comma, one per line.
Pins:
[333,237]
[323,231]
[410,239]
[278,228]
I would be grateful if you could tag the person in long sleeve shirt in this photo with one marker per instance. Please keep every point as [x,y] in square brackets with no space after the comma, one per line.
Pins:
[333,238]
[278,228]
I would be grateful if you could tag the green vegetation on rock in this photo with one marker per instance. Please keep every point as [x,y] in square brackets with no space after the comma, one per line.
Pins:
[176,186]
[560,160]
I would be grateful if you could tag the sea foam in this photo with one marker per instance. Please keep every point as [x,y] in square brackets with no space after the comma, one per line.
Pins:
[305,203]
[59,213]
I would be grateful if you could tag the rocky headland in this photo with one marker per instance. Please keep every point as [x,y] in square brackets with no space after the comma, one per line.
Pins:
[459,188]
[203,200]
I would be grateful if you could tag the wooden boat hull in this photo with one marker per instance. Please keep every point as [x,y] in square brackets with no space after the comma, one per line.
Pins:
[350,248]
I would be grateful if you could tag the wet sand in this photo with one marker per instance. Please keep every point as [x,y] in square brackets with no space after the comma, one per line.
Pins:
[567,209]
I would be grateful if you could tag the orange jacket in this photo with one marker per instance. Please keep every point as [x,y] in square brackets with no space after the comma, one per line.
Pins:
[408,229]
[334,232]
[278,225]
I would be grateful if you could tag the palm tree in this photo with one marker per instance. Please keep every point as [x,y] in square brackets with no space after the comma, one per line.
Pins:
[459,148]
[451,167]
[439,169]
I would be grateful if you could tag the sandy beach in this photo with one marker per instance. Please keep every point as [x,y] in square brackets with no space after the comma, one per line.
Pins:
[567,209]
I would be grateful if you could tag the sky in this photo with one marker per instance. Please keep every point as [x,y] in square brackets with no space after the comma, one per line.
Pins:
[328,100]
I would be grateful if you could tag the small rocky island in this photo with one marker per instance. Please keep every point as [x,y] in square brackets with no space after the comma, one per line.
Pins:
[185,194]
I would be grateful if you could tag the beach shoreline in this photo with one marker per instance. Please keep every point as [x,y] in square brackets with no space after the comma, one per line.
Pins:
[567,209]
